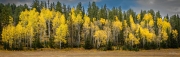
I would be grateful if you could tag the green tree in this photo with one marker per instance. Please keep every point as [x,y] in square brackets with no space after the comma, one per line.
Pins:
[59,7]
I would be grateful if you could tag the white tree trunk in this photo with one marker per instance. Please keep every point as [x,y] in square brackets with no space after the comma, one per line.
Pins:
[60,44]
[79,36]
[49,33]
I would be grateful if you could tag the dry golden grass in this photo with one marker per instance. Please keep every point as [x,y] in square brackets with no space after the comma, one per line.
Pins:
[80,52]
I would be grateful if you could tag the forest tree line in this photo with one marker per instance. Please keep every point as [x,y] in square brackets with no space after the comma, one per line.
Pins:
[56,25]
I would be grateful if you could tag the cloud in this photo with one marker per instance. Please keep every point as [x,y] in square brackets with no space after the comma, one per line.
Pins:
[164,6]
[17,2]
[29,2]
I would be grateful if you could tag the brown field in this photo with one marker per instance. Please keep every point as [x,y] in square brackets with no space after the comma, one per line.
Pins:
[91,53]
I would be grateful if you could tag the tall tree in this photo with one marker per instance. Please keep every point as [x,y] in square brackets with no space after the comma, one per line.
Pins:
[59,7]
[61,31]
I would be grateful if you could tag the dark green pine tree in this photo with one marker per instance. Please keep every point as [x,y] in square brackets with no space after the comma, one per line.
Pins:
[59,7]
[36,5]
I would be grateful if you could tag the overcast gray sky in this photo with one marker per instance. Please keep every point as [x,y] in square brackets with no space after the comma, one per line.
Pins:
[164,6]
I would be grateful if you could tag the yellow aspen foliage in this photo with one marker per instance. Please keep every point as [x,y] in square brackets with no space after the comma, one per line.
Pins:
[142,32]
[4,34]
[137,30]
[48,16]
[42,22]
[166,25]
[133,25]
[8,34]
[175,33]
[57,20]
[124,24]
[150,37]
[151,23]
[86,27]
[96,27]
[148,20]
[164,36]
[10,20]
[142,23]
[61,28]
[29,17]
[86,24]
[19,30]
[94,19]
[100,36]
[77,19]
[33,23]
[138,17]
[107,23]
[102,20]
[61,33]
[165,19]
[132,39]
[159,22]
[62,19]
[92,25]
[163,27]
[53,12]
[145,33]
[147,17]
[23,15]
[117,24]
[73,16]
[46,13]
[33,16]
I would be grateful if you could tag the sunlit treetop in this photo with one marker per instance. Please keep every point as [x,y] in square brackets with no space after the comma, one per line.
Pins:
[147,17]
[164,25]
[159,22]
[117,24]
[86,22]
[138,17]
[41,20]
[132,24]
[72,14]
[29,18]
[102,21]
[57,20]
[165,19]
[46,13]
[76,18]
[79,18]
[62,19]
[175,33]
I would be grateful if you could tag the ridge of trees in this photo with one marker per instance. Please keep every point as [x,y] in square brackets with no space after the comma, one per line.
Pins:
[50,25]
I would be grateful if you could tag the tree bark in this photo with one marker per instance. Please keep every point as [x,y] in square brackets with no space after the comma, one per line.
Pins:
[60,44]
